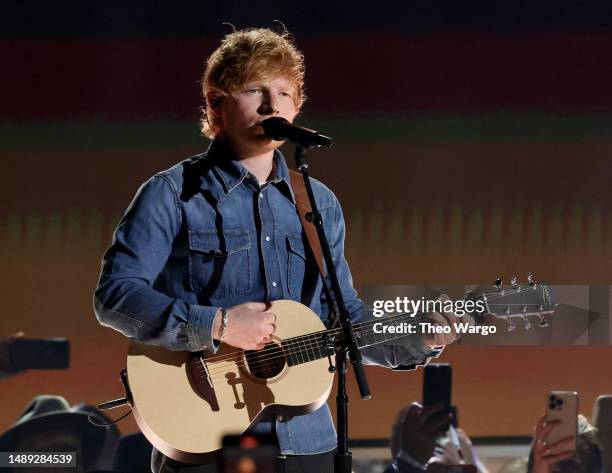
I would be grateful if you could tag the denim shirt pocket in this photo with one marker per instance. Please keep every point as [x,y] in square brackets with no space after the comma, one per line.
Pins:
[219,262]
[296,264]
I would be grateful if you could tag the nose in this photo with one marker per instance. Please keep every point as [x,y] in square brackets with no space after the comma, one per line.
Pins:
[269,104]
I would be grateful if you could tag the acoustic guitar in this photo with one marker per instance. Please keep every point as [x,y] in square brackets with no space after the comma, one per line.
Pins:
[185,402]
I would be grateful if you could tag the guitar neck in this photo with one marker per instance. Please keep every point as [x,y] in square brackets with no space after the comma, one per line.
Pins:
[315,346]
[518,302]
[373,332]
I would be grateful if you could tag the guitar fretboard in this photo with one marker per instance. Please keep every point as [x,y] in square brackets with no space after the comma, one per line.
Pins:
[317,345]
[516,301]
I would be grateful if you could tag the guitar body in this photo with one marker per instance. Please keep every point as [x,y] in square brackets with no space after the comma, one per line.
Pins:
[185,403]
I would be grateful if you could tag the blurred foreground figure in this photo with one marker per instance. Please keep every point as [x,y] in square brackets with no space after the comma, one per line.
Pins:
[50,424]
[420,442]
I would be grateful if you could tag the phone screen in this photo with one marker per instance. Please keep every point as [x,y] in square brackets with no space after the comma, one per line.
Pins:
[437,382]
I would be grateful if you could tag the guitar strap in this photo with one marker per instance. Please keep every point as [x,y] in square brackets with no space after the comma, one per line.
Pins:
[302,204]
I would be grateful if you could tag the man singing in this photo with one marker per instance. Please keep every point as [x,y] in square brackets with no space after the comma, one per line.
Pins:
[205,244]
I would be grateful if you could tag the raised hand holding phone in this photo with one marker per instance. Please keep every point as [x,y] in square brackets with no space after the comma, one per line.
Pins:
[556,431]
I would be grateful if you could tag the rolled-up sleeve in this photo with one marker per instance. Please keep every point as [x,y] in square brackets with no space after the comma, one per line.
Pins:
[126,299]
[404,353]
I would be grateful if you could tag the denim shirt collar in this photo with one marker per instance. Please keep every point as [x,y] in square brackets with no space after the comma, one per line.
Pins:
[228,170]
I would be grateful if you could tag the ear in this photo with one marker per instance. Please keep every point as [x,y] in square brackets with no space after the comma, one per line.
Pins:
[214,112]
[213,99]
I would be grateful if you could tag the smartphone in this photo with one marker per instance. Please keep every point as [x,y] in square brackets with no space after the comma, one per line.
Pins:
[562,406]
[249,453]
[437,383]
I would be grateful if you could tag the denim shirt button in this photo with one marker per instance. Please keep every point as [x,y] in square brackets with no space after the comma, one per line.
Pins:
[267,238]
[273,283]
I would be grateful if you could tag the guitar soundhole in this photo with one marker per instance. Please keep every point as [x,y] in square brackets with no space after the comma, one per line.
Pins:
[267,362]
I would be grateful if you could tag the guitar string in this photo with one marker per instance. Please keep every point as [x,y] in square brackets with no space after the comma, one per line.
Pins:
[214,373]
[268,361]
[303,347]
[304,338]
[490,296]
[301,351]
[313,339]
[306,341]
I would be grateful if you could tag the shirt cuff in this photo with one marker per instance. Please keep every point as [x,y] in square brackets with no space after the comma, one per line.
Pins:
[412,353]
[437,350]
[201,319]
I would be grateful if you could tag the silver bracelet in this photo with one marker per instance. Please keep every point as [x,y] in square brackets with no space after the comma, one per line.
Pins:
[223,324]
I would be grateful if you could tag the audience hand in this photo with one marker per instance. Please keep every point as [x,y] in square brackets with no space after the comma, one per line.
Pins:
[420,428]
[546,455]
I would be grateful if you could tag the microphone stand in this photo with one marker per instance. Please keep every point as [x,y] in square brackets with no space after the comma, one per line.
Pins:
[347,343]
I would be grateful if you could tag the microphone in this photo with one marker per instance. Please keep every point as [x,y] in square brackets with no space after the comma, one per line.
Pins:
[280,129]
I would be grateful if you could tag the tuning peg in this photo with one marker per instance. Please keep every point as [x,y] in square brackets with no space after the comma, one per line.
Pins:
[498,283]
[530,279]
[526,322]
[513,282]
[511,325]
[543,322]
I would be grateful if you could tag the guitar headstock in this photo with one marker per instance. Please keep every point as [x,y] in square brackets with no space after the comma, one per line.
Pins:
[515,302]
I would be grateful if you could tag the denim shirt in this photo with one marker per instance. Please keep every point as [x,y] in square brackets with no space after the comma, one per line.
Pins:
[204,235]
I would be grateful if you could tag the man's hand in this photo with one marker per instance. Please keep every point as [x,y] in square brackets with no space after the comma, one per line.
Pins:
[419,429]
[444,319]
[249,326]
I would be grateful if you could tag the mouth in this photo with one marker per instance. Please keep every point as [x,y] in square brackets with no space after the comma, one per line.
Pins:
[259,129]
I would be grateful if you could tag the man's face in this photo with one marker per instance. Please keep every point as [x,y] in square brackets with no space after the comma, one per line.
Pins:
[242,113]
